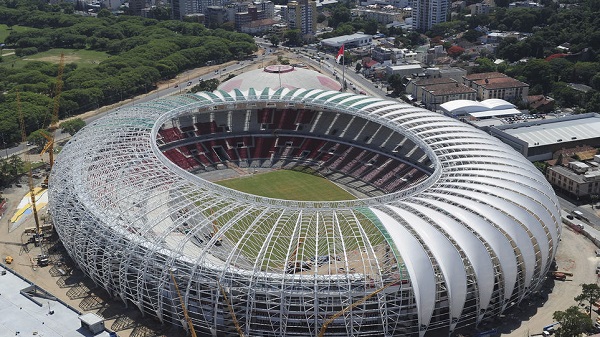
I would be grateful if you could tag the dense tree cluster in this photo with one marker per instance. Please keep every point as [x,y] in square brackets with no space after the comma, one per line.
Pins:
[143,51]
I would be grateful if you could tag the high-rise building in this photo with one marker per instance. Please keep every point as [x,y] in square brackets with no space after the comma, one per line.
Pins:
[302,14]
[426,13]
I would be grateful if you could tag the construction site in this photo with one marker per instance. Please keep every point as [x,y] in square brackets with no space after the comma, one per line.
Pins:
[137,243]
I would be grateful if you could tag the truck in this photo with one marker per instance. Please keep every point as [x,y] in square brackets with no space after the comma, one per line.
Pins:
[579,215]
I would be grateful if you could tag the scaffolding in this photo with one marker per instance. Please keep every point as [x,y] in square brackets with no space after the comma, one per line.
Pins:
[435,255]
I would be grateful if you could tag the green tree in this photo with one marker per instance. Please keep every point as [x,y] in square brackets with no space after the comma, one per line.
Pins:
[370,27]
[572,322]
[208,85]
[321,18]
[395,81]
[72,126]
[340,14]
[484,65]
[358,67]
[590,293]
[274,39]
[37,137]
[293,37]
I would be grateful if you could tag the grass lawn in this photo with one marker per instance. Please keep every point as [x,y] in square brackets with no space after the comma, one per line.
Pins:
[83,58]
[4,31]
[289,185]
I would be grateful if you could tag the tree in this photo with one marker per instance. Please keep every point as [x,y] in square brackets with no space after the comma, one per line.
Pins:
[455,51]
[72,126]
[274,39]
[484,65]
[208,85]
[590,293]
[370,27]
[395,82]
[293,37]
[36,138]
[572,322]
[358,67]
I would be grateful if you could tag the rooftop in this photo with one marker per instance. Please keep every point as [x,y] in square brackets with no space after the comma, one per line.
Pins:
[281,76]
[500,82]
[435,80]
[482,76]
[449,89]
[344,38]
[22,316]
[552,131]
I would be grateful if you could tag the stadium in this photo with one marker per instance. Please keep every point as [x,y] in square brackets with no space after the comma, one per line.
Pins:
[442,226]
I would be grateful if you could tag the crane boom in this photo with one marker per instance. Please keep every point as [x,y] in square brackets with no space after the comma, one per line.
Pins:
[185,312]
[38,230]
[54,121]
[231,312]
[352,306]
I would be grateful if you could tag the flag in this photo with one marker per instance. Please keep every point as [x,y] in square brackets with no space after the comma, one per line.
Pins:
[340,54]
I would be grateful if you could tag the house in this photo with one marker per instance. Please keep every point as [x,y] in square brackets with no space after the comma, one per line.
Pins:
[540,103]
[434,95]
[497,85]
[404,70]
[580,179]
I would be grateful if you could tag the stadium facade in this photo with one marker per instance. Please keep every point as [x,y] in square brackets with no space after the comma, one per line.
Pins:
[453,226]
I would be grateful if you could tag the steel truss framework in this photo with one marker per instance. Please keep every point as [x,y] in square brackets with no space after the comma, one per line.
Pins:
[474,237]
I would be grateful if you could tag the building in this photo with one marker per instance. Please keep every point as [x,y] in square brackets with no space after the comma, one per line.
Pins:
[251,15]
[216,16]
[480,8]
[437,231]
[497,85]
[393,55]
[404,70]
[436,94]
[381,16]
[538,140]
[426,13]
[579,179]
[470,109]
[355,40]
[281,76]
[302,15]
[258,27]
[136,6]
[416,86]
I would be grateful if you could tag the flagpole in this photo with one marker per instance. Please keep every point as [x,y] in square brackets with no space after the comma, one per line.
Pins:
[344,72]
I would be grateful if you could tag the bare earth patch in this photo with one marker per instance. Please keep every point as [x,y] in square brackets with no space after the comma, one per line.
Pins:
[56,59]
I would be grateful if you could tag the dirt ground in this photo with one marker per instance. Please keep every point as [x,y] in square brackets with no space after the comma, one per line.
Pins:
[576,254]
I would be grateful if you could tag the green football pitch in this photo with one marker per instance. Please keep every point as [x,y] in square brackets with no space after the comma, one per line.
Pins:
[289,185]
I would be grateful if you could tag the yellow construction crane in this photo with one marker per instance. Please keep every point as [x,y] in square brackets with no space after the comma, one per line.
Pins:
[231,312]
[219,240]
[185,312]
[294,266]
[49,147]
[38,231]
[352,306]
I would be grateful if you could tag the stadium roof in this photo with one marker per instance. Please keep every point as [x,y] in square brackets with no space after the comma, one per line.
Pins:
[547,132]
[113,191]
[281,76]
